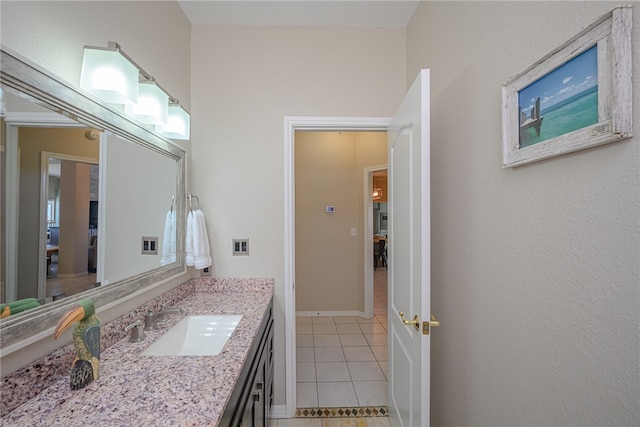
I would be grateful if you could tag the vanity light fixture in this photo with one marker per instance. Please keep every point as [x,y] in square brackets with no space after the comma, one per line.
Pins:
[115,78]
[178,123]
[152,106]
[109,75]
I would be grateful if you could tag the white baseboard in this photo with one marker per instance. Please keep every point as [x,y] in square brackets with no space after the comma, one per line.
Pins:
[331,313]
[279,411]
[72,275]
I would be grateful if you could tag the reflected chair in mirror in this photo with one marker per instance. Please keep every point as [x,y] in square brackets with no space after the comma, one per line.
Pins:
[93,254]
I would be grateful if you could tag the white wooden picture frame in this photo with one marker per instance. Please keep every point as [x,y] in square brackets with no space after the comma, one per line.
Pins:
[539,122]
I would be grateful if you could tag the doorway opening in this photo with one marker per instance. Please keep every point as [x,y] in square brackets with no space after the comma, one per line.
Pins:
[323,375]
[30,138]
[70,184]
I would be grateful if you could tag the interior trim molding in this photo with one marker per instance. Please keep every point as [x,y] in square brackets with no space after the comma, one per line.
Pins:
[278,411]
[291,125]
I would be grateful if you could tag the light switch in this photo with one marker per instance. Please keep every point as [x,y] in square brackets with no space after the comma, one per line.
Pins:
[149,245]
[240,247]
[353,231]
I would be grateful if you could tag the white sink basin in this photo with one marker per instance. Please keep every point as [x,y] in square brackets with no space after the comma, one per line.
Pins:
[195,336]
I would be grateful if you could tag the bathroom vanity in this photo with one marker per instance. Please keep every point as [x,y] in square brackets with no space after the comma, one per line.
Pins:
[251,399]
[232,388]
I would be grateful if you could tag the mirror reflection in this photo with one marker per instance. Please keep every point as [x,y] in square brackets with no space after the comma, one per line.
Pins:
[71,212]
[68,225]
[51,168]
[122,234]
[57,211]
[140,189]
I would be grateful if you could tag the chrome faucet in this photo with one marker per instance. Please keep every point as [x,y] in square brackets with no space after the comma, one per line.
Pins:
[152,317]
[137,333]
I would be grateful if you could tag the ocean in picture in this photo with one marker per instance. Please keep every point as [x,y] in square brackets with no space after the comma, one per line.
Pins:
[562,101]
[571,114]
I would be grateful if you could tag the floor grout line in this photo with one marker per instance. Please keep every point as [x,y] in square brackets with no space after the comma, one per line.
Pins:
[380,305]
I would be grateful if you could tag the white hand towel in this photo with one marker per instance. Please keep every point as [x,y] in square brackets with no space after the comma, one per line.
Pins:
[201,249]
[189,239]
[169,241]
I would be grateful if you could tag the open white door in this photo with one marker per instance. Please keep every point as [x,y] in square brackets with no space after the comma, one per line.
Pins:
[409,258]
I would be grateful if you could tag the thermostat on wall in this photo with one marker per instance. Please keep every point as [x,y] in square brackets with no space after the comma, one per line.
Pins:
[329,209]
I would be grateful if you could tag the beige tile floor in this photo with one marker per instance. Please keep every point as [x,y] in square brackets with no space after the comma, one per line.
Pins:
[342,361]
[68,286]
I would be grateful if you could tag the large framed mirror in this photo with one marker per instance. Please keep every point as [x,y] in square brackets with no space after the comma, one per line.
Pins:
[84,189]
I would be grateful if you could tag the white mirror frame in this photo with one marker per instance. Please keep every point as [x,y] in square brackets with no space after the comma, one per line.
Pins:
[28,78]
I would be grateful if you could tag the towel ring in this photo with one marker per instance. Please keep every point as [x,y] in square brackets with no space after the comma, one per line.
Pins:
[191,196]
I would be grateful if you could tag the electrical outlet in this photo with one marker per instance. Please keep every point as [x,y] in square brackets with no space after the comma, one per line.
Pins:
[205,272]
[241,247]
[149,245]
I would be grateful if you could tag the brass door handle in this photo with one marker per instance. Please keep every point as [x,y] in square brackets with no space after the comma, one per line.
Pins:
[434,323]
[415,322]
[426,326]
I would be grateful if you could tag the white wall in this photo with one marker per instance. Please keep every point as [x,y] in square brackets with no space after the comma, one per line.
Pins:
[536,269]
[53,33]
[245,81]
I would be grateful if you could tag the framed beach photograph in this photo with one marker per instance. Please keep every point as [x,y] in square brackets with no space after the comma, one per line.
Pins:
[578,96]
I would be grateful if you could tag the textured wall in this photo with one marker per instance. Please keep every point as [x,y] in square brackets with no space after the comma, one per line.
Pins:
[535,269]
[246,80]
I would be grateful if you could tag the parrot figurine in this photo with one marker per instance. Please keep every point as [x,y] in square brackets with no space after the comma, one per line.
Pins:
[19,306]
[86,339]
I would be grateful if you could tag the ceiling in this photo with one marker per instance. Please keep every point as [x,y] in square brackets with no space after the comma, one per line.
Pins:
[315,13]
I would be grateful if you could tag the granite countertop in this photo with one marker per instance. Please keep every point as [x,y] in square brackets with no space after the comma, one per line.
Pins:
[156,390]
